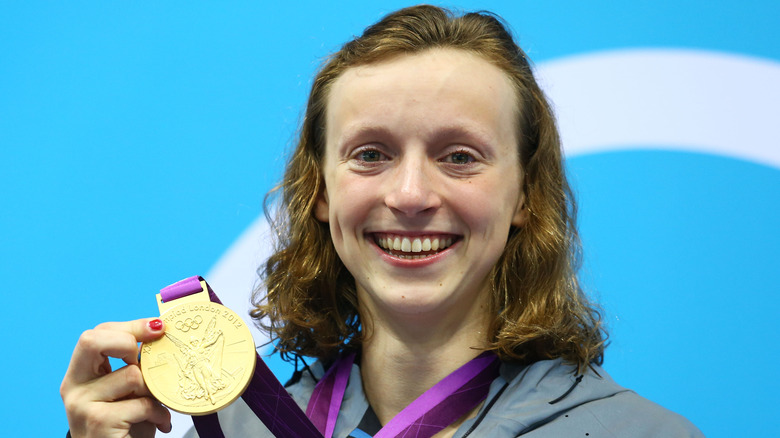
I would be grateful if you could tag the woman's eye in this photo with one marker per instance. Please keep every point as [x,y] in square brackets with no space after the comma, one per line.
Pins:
[459,158]
[370,155]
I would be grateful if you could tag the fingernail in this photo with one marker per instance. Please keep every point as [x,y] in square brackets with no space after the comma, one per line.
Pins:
[156,324]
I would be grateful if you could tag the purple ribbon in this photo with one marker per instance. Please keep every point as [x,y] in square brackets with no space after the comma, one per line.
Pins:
[325,402]
[181,288]
[451,398]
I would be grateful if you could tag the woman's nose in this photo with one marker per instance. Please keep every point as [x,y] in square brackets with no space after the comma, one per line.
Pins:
[412,188]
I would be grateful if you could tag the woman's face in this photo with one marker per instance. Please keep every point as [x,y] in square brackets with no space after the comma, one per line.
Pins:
[422,179]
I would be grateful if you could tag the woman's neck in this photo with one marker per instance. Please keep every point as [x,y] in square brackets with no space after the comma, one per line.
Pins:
[401,361]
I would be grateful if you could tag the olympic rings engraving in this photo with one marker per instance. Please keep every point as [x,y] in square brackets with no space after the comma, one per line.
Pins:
[189,323]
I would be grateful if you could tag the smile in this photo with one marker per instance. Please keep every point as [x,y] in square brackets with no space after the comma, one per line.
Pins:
[417,247]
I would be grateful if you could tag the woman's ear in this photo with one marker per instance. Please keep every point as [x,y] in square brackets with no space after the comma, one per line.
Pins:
[321,208]
[521,216]
[521,213]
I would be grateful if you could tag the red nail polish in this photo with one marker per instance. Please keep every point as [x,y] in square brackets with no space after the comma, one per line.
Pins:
[156,324]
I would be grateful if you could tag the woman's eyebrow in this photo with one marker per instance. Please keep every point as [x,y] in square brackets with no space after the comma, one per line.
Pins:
[470,133]
[362,133]
[463,132]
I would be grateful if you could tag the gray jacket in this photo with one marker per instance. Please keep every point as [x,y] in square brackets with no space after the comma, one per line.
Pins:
[545,399]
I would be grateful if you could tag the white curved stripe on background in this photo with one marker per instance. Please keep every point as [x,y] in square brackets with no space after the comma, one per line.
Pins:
[709,102]
[706,102]
[234,276]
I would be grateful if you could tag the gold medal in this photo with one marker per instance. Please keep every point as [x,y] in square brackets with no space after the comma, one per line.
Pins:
[204,361]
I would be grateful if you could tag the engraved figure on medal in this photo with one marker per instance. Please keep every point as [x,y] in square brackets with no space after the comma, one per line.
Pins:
[198,368]
[200,362]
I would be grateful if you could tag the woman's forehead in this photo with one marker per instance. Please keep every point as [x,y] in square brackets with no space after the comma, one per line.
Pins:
[426,70]
[441,87]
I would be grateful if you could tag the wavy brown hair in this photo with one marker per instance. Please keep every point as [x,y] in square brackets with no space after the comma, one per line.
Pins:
[540,312]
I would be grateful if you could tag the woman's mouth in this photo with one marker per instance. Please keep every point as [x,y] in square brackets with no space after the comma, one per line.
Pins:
[417,247]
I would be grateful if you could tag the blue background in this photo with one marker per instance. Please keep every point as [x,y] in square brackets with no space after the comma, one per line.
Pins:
[137,141]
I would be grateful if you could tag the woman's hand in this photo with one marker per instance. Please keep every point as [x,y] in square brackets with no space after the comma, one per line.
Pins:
[102,403]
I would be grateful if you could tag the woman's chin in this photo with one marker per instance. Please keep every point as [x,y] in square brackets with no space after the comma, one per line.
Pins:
[419,306]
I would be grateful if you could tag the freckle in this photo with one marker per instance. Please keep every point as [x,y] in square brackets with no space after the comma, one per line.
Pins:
[440,284]
[403,297]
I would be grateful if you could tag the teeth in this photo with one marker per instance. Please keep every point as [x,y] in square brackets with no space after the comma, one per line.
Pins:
[413,245]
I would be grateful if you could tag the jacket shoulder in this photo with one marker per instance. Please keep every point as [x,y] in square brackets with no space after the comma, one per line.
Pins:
[624,414]
[549,399]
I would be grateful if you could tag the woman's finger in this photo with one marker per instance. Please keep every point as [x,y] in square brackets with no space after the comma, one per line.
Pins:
[144,409]
[144,330]
[107,419]
[126,382]
[117,339]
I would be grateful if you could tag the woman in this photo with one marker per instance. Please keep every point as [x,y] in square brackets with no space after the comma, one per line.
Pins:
[425,221]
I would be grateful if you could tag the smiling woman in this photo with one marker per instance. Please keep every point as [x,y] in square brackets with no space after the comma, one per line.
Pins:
[426,257]
[418,88]
[426,218]
[413,190]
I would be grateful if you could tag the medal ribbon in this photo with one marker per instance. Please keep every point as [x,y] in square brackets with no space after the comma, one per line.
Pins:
[451,398]
[325,402]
